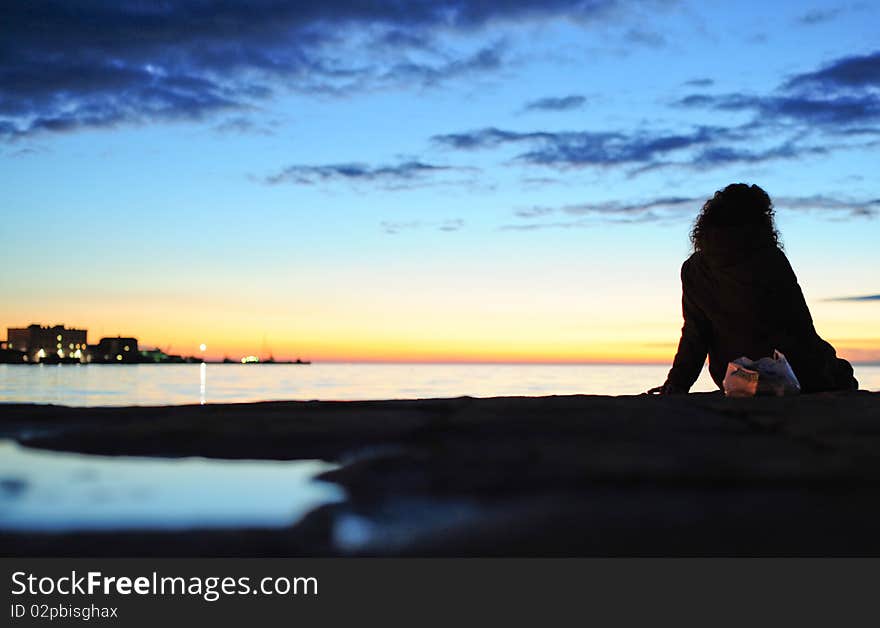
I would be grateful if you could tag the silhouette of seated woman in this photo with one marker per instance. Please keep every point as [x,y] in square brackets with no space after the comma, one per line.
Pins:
[740,297]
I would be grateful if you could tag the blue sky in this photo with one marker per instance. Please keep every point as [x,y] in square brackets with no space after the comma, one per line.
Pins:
[425,180]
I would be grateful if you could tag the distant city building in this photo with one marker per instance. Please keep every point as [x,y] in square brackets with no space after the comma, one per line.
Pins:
[11,356]
[48,344]
[115,350]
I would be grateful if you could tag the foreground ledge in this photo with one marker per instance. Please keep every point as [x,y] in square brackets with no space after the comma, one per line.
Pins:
[528,476]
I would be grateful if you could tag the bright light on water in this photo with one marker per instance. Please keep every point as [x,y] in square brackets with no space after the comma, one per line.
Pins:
[47,490]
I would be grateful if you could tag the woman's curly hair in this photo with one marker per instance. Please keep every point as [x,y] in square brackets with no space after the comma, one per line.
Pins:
[737,205]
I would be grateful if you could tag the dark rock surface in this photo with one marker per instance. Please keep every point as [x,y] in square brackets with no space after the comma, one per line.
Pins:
[571,476]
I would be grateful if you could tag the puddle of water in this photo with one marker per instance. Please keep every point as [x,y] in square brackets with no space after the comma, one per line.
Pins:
[58,491]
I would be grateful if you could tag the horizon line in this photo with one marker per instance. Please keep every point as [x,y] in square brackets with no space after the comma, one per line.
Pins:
[521,362]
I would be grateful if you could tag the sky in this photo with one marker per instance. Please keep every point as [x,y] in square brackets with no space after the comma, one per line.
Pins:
[425,181]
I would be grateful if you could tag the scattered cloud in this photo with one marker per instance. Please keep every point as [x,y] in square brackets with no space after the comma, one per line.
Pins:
[534,212]
[864,297]
[858,71]
[652,39]
[723,155]
[489,137]
[838,207]
[529,182]
[242,124]
[25,152]
[820,16]
[484,60]
[586,148]
[676,208]
[839,97]
[564,103]
[541,226]
[604,149]
[448,225]
[837,113]
[673,204]
[310,174]
[586,215]
[699,82]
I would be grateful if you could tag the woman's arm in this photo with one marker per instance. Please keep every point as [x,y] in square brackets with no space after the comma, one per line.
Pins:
[693,345]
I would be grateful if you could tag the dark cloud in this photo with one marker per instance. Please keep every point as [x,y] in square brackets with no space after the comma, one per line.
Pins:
[65,65]
[860,71]
[487,138]
[820,16]
[699,147]
[837,97]
[585,148]
[308,175]
[565,103]
[700,82]
[397,38]
[604,149]
[723,155]
[834,113]
[865,297]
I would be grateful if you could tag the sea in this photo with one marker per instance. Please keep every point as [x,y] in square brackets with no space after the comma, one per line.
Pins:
[165,384]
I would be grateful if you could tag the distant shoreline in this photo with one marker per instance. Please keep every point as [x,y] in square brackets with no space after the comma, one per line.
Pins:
[187,362]
[379,363]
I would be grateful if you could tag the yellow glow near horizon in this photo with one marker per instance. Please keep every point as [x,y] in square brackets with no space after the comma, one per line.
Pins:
[350,329]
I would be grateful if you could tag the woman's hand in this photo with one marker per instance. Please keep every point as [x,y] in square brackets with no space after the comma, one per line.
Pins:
[668,388]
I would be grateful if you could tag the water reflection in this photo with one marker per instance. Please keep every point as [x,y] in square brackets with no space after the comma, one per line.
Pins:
[203,382]
[43,490]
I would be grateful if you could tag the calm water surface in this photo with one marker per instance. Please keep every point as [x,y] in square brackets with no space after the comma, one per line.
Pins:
[149,384]
[57,491]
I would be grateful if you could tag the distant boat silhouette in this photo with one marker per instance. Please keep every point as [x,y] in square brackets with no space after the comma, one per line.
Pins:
[252,359]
